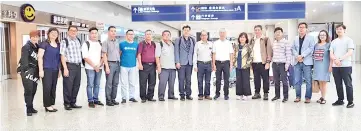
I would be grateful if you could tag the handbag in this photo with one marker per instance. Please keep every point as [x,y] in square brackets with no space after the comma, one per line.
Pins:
[315,86]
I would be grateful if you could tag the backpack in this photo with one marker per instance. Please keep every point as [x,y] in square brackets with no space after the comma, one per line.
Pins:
[67,44]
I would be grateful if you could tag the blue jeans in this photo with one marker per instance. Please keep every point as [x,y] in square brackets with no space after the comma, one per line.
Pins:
[93,81]
[303,71]
[184,80]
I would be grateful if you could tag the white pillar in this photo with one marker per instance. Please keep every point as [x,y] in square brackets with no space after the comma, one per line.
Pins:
[270,31]
[292,30]
[351,19]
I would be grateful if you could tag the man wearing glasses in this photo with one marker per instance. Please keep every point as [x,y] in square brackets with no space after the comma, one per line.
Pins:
[202,63]
[71,59]
[302,49]
[128,58]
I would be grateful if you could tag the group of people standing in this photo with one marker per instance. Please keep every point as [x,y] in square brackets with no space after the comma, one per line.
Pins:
[52,58]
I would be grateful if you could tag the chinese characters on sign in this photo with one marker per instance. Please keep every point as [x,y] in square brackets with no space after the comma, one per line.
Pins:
[8,14]
[159,13]
[216,12]
[59,20]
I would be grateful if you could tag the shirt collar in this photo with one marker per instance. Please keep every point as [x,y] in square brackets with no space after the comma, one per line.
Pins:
[202,42]
[255,37]
[69,38]
[166,42]
[111,39]
[282,40]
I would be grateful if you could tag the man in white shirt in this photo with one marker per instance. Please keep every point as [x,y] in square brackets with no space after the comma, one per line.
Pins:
[341,51]
[91,52]
[222,63]
[202,63]
[262,47]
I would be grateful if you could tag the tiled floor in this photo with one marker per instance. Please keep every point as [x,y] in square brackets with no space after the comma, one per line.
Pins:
[221,115]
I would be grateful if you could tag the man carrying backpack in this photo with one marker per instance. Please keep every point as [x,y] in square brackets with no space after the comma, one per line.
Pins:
[146,62]
[71,59]
[166,69]
[183,50]
[91,51]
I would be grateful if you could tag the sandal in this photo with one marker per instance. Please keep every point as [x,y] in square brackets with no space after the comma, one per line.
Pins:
[323,101]
[319,100]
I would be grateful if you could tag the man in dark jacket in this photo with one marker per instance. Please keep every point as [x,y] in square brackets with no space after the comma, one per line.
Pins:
[28,69]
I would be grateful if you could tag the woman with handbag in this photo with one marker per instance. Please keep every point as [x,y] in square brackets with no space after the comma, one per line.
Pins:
[322,64]
[243,57]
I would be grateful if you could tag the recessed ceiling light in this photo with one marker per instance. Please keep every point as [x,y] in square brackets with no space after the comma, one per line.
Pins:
[314,10]
[333,3]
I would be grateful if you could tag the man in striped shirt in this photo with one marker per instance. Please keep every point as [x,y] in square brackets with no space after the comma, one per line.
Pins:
[281,58]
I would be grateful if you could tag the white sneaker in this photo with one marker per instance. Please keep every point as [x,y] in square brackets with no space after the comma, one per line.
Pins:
[244,97]
[239,97]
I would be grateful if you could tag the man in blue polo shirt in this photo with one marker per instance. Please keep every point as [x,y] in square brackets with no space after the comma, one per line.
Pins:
[128,64]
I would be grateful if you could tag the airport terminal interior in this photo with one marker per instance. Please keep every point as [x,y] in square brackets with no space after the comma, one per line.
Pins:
[18,18]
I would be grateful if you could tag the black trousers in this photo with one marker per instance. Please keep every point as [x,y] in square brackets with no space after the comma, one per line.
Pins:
[343,74]
[29,80]
[243,86]
[49,86]
[260,72]
[280,74]
[148,74]
[223,68]
[71,84]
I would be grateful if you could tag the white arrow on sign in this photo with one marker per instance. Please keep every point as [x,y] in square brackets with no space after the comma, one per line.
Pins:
[135,10]
[193,8]
[192,17]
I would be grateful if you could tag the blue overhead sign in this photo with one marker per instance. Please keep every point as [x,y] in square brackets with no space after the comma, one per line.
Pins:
[213,12]
[159,12]
[287,10]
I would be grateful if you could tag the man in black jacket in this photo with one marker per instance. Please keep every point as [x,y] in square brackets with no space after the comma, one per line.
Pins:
[28,69]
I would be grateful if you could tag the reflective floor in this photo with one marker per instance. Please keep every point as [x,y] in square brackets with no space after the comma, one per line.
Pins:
[220,115]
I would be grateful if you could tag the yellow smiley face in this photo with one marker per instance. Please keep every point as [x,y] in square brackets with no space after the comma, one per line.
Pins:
[28,12]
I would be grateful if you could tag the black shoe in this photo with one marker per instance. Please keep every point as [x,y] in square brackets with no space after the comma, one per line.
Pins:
[29,114]
[110,104]
[133,100]
[98,103]
[161,99]
[275,98]
[215,97]
[53,110]
[189,98]
[67,107]
[256,96]
[29,111]
[34,111]
[75,106]
[285,100]
[143,101]
[182,98]
[350,105]
[115,102]
[123,101]
[265,96]
[338,103]
[91,105]
[226,97]
[153,100]
[171,98]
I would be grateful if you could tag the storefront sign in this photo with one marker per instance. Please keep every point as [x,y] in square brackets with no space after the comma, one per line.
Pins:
[82,25]
[27,12]
[59,20]
[8,14]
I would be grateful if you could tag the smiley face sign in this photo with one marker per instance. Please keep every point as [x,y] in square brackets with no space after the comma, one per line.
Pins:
[27,12]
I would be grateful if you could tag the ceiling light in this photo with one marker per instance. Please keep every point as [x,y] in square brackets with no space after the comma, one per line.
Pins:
[306,13]
[333,3]
[314,10]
